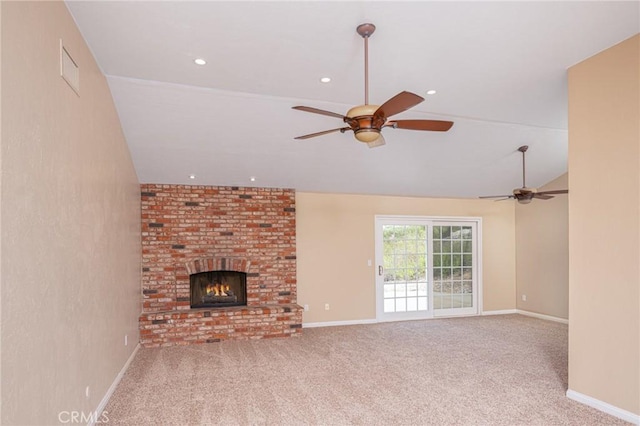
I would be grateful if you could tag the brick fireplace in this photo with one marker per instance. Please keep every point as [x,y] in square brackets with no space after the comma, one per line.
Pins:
[210,232]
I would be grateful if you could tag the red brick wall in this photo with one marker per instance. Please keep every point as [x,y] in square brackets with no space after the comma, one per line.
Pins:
[182,223]
[214,325]
[189,229]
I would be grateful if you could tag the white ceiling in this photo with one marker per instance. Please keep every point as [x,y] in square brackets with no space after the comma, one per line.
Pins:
[499,69]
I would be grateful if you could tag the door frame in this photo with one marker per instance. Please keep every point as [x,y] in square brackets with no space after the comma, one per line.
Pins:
[429,220]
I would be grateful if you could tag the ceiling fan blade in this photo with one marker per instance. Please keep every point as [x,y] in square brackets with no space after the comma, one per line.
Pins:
[498,196]
[313,135]
[556,191]
[319,111]
[542,196]
[432,125]
[400,102]
[378,142]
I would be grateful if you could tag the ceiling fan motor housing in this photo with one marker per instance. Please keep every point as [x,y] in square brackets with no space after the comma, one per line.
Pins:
[524,195]
[366,126]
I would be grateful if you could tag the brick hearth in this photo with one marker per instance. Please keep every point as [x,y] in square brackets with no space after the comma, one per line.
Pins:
[190,229]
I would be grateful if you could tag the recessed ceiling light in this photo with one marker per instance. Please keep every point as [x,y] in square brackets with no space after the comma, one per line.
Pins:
[252,178]
[192,176]
[325,79]
[431,92]
[200,61]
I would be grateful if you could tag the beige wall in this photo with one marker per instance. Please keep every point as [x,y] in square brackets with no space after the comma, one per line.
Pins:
[71,224]
[604,232]
[542,253]
[335,238]
[1,285]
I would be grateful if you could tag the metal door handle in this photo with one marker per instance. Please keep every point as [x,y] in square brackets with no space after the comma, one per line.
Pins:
[380,270]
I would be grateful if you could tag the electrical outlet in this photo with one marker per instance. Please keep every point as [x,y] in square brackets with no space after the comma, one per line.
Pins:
[326,306]
[369,262]
[306,307]
[524,297]
[126,340]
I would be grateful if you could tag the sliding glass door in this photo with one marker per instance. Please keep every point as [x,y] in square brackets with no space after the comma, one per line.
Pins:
[426,267]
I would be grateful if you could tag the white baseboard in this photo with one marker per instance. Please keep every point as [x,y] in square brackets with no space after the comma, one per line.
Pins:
[604,407]
[502,312]
[499,312]
[542,316]
[337,323]
[113,386]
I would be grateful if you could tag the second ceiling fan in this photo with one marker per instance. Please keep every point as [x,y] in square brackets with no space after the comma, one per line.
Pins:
[524,195]
[367,121]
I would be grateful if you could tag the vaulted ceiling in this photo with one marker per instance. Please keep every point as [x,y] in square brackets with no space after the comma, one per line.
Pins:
[499,69]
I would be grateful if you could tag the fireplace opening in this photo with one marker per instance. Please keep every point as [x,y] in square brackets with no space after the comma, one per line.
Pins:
[216,289]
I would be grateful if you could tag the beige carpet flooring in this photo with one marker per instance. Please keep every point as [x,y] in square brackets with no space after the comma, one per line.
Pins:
[494,370]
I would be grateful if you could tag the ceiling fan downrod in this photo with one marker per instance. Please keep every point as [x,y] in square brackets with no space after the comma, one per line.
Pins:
[365,31]
[523,149]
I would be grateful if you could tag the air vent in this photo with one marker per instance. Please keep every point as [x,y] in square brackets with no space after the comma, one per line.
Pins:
[69,70]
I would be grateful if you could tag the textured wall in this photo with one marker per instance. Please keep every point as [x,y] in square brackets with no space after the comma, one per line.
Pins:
[71,224]
[335,238]
[542,253]
[604,226]
[1,280]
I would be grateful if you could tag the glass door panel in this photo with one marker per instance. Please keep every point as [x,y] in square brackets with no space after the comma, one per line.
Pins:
[453,283]
[405,279]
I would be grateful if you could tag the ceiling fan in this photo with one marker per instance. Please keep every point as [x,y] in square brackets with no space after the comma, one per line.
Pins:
[524,195]
[366,121]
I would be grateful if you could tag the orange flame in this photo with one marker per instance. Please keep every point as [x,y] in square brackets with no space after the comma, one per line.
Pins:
[217,289]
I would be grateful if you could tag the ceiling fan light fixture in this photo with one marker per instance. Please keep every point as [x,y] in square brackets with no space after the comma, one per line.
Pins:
[365,130]
[367,135]
[524,200]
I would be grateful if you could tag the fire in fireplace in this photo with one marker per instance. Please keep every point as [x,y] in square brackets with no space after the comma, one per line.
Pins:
[215,289]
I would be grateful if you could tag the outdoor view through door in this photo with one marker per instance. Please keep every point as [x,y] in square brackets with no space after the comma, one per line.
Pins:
[426,267]
[405,268]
